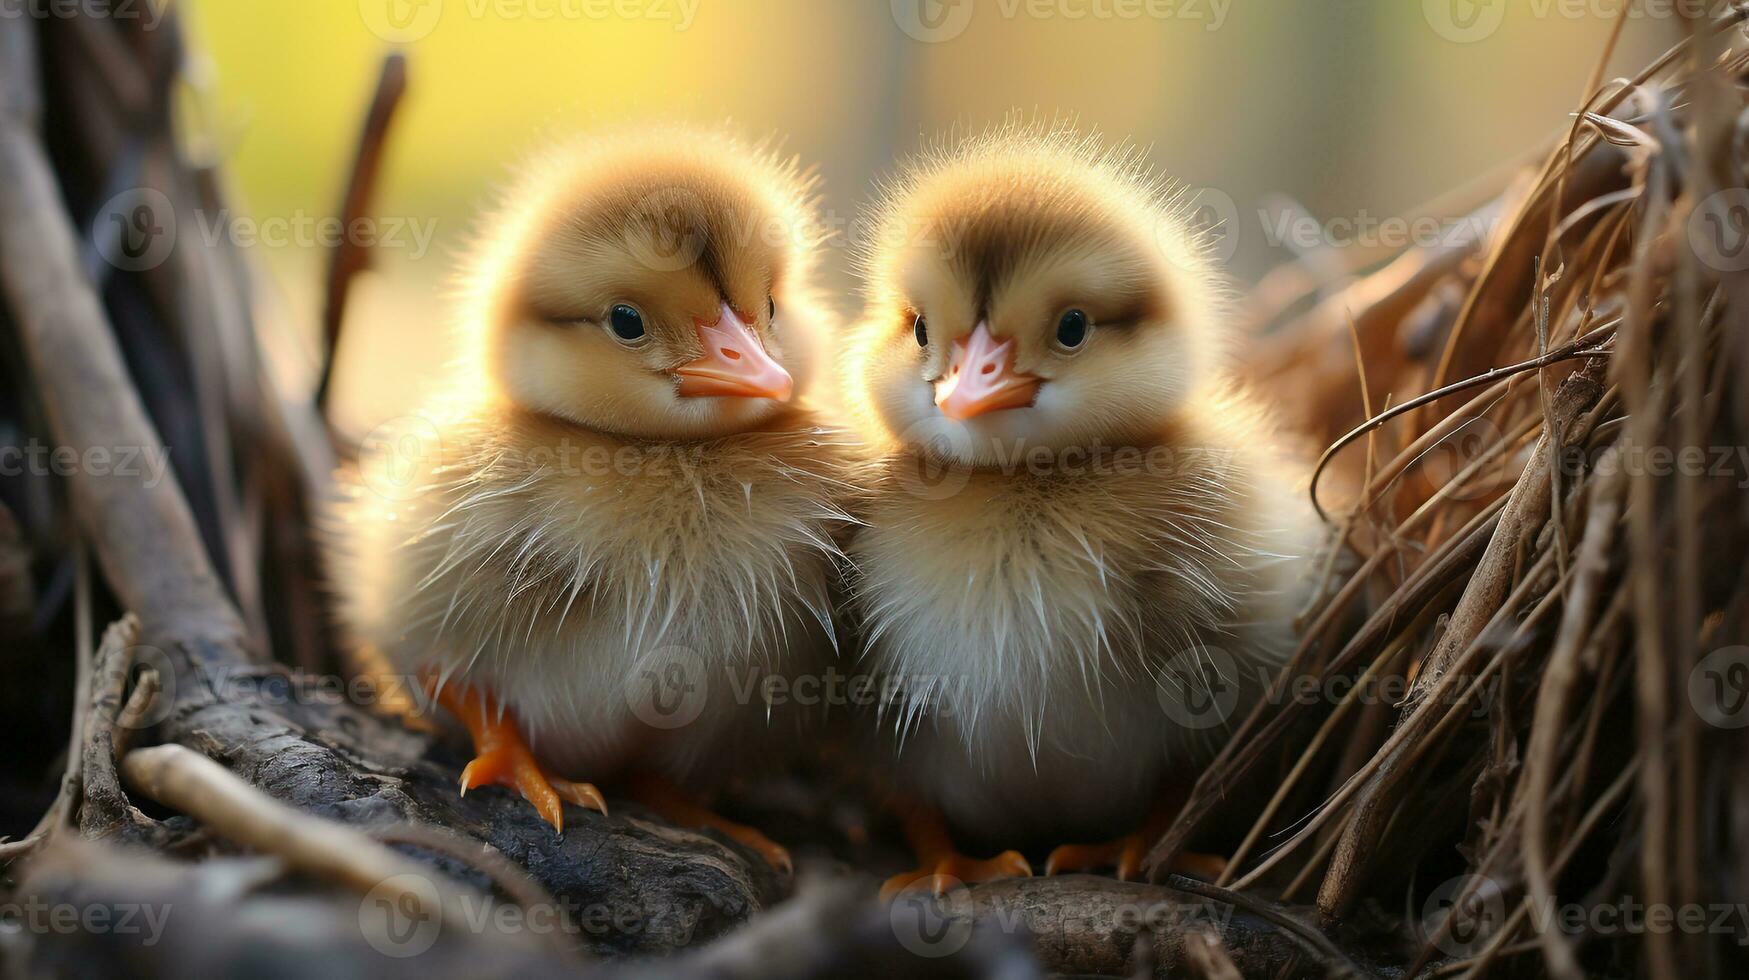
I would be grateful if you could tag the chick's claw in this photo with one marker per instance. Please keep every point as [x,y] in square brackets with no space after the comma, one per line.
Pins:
[582,794]
[512,765]
[957,869]
[1125,854]
[668,800]
[502,758]
[775,854]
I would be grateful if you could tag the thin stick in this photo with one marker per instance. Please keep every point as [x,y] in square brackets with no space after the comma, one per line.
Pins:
[349,255]
[1590,345]
[185,780]
[1334,959]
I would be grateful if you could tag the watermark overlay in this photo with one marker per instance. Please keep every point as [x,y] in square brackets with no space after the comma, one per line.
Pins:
[1718,687]
[1199,689]
[1205,687]
[1627,916]
[1718,230]
[139,228]
[135,230]
[278,687]
[35,916]
[673,234]
[1461,915]
[405,456]
[303,230]
[933,21]
[401,915]
[404,915]
[406,21]
[929,927]
[1465,914]
[1469,463]
[669,688]
[672,686]
[1202,225]
[401,457]
[147,464]
[933,926]
[1286,227]
[1214,225]
[1721,462]
[925,471]
[938,695]
[937,448]
[936,21]
[1470,21]
[148,13]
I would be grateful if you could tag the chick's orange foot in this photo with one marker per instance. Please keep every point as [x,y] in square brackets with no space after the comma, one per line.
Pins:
[670,802]
[503,758]
[1126,854]
[940,865]
[953,869]
[513,766]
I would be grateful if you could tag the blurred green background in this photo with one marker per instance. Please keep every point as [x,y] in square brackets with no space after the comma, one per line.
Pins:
[1352,108]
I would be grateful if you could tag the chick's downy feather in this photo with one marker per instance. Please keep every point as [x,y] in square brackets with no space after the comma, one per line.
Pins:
[560,525]
[1079,596]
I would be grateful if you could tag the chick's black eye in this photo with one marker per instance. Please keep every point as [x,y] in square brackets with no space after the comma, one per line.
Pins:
[770,308]
[1072,329]
[626,323]
[921,329]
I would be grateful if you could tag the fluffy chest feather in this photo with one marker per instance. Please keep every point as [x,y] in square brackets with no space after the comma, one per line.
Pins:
[1041,599]
[710,545]
[558,567]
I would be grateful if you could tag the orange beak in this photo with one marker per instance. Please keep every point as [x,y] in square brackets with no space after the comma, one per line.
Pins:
[734,365]
[981,378]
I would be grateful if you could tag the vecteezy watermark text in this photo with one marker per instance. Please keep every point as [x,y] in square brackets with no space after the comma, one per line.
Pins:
[1691,462]
[149,464]
[144,11]
[935,21]
[398,928]
[1470,21]
[934,926]
[406,21]
[39,917]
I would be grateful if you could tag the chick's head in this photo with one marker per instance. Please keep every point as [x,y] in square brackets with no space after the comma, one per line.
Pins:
[651,286]
[1029,289]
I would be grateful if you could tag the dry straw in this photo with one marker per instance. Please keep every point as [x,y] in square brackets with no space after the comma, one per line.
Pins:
[1549,546]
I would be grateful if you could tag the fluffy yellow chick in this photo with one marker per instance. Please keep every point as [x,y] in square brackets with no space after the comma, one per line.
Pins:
[620,507]
[1080,559]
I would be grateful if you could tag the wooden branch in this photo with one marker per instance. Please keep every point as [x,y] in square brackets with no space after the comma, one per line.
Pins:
[217,918]
[90,726]
[142,531]
[187,781]
[17,592]
[1087,925]
[104,808]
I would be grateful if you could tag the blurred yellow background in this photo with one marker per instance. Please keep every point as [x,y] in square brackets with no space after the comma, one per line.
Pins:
[1352,108]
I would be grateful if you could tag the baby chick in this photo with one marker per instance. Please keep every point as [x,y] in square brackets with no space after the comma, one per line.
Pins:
[1079,560]
[619,508]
